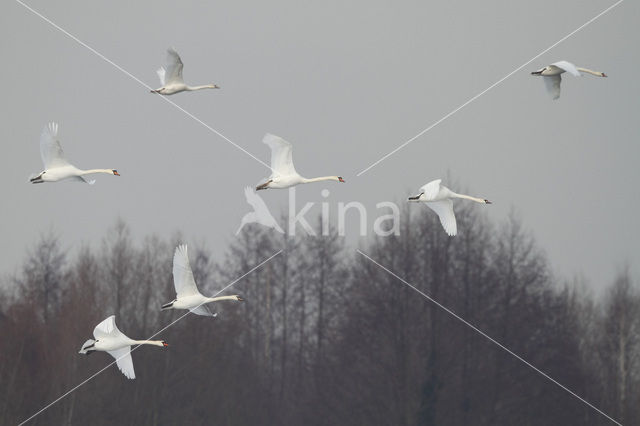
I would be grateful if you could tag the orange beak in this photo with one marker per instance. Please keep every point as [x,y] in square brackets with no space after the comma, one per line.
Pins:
[116,173]
[165,344]
[340,179]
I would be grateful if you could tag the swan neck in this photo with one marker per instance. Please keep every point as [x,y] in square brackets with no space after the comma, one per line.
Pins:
[588,71]
[205,86]
[148,342]
[468,197]
[318,179]
[215,299]
[91,171]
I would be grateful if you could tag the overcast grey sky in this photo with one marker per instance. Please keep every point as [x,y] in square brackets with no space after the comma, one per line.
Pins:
[345,83]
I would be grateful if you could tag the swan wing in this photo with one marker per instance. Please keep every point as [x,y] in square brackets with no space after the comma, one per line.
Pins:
[203,310]
[552,83]
[106,329]
[183,279]
[275,226]
[83,179]
[259,207]
[161,74]
[281,155]
[124,361]
[253,199]
[262,213]
[444,209]
[174,67]
[568,67]
[50,148]
[431,189]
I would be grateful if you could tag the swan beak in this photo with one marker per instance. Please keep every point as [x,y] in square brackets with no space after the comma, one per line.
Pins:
[165,344]
[115,172]
[536,72]
[604,75]
[487,202]
[240,299]
[340,179]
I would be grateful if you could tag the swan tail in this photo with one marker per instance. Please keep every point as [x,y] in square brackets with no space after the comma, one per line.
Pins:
[36,178]
[86,347]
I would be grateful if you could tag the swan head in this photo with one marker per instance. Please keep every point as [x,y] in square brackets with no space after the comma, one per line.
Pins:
[88,347]
[115,172]
[603,74]
[214,86]
[163,343]
[340,179]
[487,201]
[239,299]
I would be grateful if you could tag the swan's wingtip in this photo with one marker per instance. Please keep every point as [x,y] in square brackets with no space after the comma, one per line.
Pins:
[51,128]
[270,137]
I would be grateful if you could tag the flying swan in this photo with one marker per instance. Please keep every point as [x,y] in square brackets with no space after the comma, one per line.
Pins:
[283,174]
[109,339]
[56,167]
[439,199]
[552,79]
[187,294]
[171,77]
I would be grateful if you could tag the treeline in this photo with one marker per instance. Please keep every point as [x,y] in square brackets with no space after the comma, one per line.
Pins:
[325,336]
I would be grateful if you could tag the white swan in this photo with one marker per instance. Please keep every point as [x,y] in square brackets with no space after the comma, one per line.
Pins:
[187,294]
[171,77]
[439,199]
[283,174]
[56,167]
[260,213]
[109,339]
[552,79]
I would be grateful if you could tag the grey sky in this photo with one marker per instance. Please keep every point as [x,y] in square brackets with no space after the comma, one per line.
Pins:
[345,83]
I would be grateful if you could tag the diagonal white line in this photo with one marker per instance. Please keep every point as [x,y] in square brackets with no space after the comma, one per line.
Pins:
[489,88]
[150,337]
[118,67]
[482,333]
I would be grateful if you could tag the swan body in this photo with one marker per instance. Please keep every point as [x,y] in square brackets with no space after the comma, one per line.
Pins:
[552,75]
[260,213]
[171,77]
[439,198]
[187,294]
[283,173]
[108,338]
[56,167]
